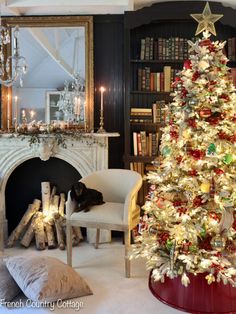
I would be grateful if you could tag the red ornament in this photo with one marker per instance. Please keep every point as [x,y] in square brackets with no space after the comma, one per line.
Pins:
[182,210]
[179,159]
[214,120]
[192,172]
[234,225]
[197,153]
[215,216]
[205,243]
[160,202]
[219,171]
[223,136]
[198,201]
[205,42]
[232,138]
[184,92]
[192,122]
[225,97]
[177,203]
[163,237]
[205,112]
[195,76]
[187,65]
[174,135]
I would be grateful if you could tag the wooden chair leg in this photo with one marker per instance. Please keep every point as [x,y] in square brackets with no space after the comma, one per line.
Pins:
[97,238]
[127,260]
[69,243]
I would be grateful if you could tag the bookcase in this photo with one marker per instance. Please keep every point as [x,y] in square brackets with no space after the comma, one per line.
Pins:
[155,49]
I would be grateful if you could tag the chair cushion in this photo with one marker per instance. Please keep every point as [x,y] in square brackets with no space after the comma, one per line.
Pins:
[110,213]
[45,278]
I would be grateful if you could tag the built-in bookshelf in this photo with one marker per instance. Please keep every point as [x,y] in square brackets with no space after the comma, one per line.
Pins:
[156,45]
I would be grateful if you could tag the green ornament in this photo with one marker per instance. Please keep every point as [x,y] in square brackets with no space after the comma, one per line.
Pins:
[227,159]
[211,150]
[193,248]
[203,232]
[169,244]
[166,151]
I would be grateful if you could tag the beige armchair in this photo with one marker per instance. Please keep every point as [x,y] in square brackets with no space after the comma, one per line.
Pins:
[120,211]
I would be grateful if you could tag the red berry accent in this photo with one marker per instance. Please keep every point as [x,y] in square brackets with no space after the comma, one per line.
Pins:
[197,153]
[187,64]
[192,122]
[219,171]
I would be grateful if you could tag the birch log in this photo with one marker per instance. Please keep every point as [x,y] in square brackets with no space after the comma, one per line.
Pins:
[45,190]
[32,209]
[61,209]
[39,231]
[29,234]
[50,236]
[59,232]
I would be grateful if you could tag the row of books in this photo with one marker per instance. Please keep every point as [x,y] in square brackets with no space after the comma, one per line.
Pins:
[156,81]
[174,48]
[159,113]
[145,144]
[232,49]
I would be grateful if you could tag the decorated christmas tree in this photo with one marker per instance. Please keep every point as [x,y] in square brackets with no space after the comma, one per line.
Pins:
[189,225]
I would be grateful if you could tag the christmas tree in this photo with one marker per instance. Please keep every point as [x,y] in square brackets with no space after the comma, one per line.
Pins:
[189,225]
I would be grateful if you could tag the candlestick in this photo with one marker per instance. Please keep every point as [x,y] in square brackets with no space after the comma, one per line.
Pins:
[8,112]
[16,114]
[101,124]
[85,121]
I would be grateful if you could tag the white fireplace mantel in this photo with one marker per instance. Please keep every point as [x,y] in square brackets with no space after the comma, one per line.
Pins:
[86,154]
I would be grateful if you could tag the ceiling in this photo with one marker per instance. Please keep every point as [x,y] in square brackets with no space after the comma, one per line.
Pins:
[80,7]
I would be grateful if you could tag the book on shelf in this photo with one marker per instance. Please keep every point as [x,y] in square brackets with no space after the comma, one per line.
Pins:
[145,144]
[173,48]
[156,81]
[233,75]
[142,115]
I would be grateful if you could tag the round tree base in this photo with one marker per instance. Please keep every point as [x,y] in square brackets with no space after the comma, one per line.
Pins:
[198,297]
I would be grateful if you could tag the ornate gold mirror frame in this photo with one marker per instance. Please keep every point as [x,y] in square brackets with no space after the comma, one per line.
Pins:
[55,21]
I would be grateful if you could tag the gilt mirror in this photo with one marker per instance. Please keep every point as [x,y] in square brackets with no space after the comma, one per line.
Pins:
[59,56]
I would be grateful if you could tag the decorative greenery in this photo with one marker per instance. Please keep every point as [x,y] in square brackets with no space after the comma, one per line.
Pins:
[61,135]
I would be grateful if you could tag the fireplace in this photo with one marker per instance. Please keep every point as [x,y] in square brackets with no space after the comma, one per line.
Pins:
[85,154]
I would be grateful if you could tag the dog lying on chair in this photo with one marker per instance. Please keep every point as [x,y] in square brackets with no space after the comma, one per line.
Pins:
[85,197]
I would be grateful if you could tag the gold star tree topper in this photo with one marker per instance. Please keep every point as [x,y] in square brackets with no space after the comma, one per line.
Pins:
[206,20]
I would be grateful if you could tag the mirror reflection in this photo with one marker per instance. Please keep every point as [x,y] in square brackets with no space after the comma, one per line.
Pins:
[58,85]
[54,85]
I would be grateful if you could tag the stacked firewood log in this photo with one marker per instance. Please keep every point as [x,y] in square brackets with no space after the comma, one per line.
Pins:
[45,221]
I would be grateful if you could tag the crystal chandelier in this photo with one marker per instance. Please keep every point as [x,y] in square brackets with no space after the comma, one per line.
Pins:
[72,100]
[15,66]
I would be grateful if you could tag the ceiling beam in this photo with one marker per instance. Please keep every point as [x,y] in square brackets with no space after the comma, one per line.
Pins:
[46,45]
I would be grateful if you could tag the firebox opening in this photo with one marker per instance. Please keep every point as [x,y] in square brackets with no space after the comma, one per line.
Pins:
[24,184]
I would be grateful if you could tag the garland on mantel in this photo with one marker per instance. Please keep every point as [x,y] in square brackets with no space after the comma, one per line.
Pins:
[60,135]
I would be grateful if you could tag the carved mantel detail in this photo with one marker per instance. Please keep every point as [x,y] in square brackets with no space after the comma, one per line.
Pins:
[86,155]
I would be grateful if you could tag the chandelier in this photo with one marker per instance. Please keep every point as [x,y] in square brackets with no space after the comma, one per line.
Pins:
[72,100]
[14,67]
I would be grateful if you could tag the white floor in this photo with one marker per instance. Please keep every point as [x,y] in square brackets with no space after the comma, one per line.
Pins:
[103,269]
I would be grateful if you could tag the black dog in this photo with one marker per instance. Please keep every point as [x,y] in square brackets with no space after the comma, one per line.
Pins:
[85,197]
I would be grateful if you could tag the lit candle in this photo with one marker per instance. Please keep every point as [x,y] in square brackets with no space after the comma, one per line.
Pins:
[32,114]
[102,89]
[8,111]
[23,115]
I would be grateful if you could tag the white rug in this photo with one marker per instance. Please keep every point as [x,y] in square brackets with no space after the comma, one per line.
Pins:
[103,269]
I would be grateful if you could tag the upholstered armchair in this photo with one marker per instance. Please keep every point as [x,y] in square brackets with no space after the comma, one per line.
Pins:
[119,212]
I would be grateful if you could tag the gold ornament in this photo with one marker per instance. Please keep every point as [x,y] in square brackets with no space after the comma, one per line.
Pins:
[206,20]
[205,187]
[218,243]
